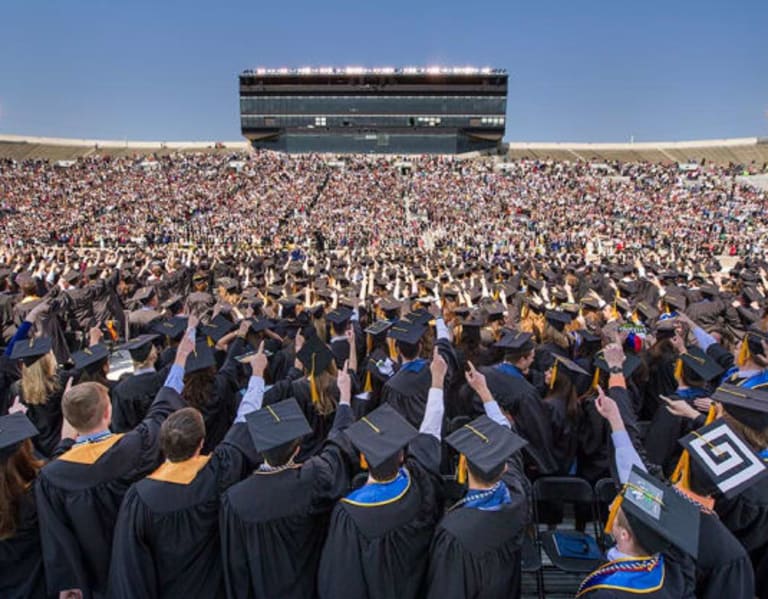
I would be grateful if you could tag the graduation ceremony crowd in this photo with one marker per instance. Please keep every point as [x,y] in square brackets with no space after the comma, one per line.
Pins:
[363,382]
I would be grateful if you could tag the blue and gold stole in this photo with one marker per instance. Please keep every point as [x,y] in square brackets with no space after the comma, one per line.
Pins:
[632,574]
[380,493]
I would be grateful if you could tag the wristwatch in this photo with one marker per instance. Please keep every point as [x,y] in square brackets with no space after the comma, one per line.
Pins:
[616,370]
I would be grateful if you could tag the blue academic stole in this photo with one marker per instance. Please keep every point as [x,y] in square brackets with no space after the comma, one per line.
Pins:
[414,366]
[510,370]
[380,493]
[633,575]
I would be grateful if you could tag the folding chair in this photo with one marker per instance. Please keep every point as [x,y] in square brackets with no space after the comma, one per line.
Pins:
[605,492]
[563,490]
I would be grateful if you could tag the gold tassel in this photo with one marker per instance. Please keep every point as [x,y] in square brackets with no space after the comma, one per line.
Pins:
[553,377]
[711,415]
[524,311]
[635,317]
[368,387]
[312,384]
[679,370]
[363,462]
[461,470]
[744,353]
[368,344]
[392,349]
[457,334]
[596,379]
[210,342]
[613,512]
[615,312]
[682,475]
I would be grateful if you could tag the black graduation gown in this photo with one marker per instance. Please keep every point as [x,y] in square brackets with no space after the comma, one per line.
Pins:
[46,417]
[21,560]
[407,390]
[382,551]
[273,524]
[167,534]
[78,502]
[565,439]
[723,567]
[475,554]
[131,399]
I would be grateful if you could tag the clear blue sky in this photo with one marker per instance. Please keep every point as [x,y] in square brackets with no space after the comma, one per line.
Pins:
[579,70]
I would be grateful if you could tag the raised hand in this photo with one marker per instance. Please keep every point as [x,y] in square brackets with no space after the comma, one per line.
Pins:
[344,384]
[438,368]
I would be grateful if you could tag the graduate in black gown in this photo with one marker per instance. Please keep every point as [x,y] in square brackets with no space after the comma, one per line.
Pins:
[476,548]
[167,534]
[79,493]
[407,389]
[273,523]
[379,537]
[133,395]
[21,559]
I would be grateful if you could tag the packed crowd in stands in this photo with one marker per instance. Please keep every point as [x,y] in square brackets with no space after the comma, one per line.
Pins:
[284,376]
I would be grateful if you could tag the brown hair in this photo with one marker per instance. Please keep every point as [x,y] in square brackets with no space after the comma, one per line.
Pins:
[39,380]
[17,472]
[181,434]
[326,386]
[83,405]
[198,387]
[756,439]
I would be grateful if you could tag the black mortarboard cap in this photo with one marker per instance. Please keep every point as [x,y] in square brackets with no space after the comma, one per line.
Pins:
[587,336]
[277,424]
[725,458]
[658,515]
[406,331]
[647,310]
[90,356]
[228,284]
[516,341]
[748,406]
[139,347]
[381,434]
[31,350]
[379,327]
[704,366]
[676,301]
[339,316]
[591,303]
[315,355]
[172,328]
[143,294]
[486,444]
[73,276]
[631,363]
[558,319]
[201,358]
[218,327]
[14,428]
[173,301]
[570,365]
[261,324]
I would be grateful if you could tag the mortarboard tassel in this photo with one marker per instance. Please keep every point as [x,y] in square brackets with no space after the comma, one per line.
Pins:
[679,370]
[392,349]
[461,470]
[613,512]
[368,344]
[711,414]
[553,377]
[368,386]
[681,477]
[744,353]
[112,331]
[211,343]
[596,379]
[312,384]
[363,462]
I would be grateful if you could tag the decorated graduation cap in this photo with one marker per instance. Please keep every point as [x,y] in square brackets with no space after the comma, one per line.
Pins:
[90,357]
[31,350]
[724,458]
[515,341]
[381,434]
[277,424]
[201,358]
[173,328]
[748,406]
[485,444]
[658,515]
[407,332]
[379,327]
[139,347]
[316,356]
[14,428]
[700,363]
[218,327]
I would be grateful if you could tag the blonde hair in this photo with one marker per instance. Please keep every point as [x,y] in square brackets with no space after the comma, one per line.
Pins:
[39,380]
[326,383]
[83,405]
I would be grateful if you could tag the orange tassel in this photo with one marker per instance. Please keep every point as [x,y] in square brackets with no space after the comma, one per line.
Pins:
[679,370]
[682,475]
[363,462]
[613,512]
[461,470]
[553,377]
[112,331]
[596,379]
[711,415]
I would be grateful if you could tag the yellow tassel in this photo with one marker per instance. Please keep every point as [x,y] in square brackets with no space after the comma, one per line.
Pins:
[368,344]
[744,353]
[312,384]
[596,379]
[461,471]
[524,311]
[457,334]
[363,462]
[496,296]
[210,342]
[553,377]
[711,415]
[635,317]
[615,312]
[392,349]
[682,475]
[368,387]
[613,512]
[679,370]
